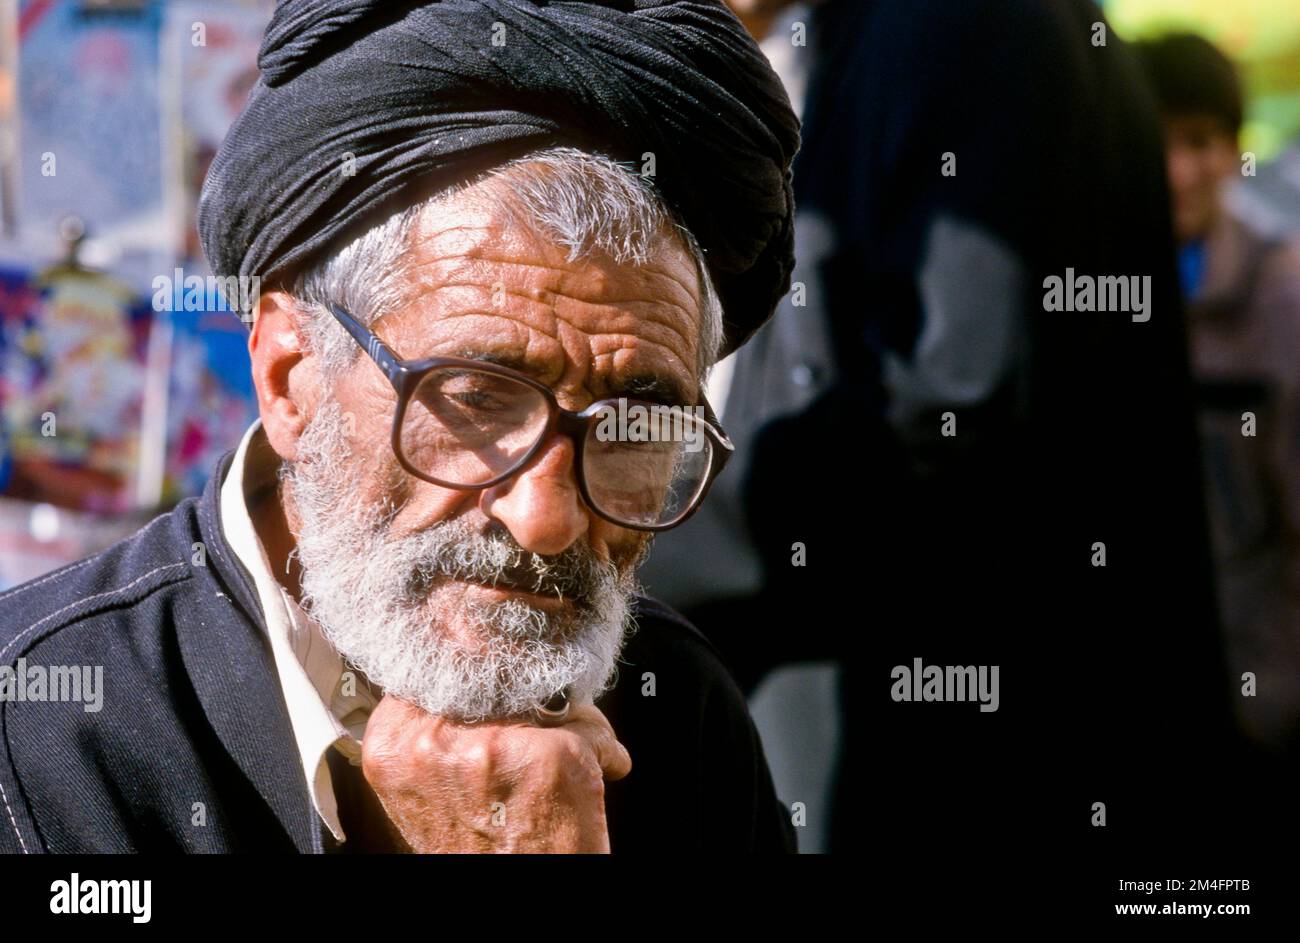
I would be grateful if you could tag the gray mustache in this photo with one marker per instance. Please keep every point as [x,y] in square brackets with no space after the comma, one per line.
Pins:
[498,561]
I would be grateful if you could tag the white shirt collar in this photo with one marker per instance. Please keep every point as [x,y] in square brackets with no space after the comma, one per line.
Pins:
[328,705]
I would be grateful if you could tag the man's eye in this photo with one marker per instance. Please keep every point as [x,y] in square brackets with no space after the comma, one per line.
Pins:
[634,446]
[475,399]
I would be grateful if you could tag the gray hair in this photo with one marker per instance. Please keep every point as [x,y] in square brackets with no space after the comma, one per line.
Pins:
[583,201]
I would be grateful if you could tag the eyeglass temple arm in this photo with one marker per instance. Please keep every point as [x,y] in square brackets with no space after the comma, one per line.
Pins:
[370,342]
[712,419]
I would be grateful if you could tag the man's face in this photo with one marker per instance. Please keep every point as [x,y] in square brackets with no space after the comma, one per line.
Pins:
[1201,154]
[398,571]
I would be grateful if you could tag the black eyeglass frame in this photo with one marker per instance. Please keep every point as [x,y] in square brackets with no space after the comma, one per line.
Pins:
[405,377]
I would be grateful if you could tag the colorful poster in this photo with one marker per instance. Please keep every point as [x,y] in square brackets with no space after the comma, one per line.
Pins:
[210,398]
[88,92]
[72,367]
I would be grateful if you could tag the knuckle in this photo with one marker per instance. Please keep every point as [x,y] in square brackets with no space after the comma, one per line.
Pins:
[475,757]
[571,750]
[425,746]
[578,763]
[373,768]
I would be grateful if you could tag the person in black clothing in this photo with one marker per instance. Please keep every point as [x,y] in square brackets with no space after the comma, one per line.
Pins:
[979,477]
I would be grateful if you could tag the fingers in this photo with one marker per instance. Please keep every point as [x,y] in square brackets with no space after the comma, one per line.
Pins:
[584,720]
[588,722]
[400,710]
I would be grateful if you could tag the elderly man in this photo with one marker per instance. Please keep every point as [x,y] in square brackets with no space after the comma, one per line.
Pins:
[404,615]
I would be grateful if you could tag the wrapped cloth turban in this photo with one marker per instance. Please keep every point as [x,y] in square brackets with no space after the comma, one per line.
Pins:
[414,96]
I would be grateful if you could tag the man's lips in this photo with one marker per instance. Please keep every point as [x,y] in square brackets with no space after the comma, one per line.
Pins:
[527,581]
[543,596]
[561,589]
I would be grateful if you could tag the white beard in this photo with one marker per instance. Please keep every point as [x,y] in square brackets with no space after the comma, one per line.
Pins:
[387,603]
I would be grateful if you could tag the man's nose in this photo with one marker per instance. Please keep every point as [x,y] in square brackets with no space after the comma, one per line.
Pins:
[540,504]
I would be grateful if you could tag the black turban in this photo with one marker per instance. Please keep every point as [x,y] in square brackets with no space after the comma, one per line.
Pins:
[422,97]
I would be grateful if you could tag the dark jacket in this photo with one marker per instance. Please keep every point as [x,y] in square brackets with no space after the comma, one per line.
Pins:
[1245,344]
[193,750]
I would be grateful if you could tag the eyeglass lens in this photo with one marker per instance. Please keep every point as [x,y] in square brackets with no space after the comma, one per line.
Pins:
[465,427]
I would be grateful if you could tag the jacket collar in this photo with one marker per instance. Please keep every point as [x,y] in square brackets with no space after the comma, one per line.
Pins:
[1234,255]
[229,661]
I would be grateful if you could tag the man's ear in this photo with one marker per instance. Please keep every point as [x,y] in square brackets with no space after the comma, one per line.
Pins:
[284,373]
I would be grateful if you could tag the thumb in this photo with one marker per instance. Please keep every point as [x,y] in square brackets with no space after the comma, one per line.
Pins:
[587,721]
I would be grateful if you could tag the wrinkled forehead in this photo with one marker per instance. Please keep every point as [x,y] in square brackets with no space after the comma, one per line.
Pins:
[480,281]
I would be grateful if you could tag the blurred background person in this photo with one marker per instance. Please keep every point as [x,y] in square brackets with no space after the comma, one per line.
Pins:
[1243,290]
[936,466]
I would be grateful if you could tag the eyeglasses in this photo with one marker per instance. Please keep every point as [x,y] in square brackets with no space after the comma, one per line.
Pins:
[469,425]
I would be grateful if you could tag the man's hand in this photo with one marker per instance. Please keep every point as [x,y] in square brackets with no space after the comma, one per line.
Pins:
[494,786]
